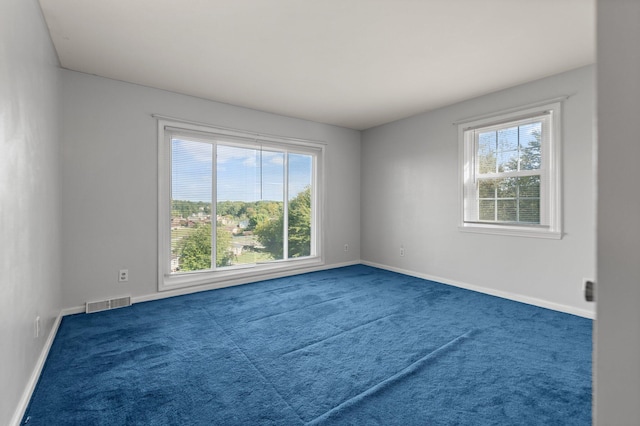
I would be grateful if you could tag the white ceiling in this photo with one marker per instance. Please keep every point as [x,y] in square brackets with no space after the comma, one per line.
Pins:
[352,63]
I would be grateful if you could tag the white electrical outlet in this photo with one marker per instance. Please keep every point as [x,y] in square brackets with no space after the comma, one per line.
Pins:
[36,327]
[123,275]
[346,247]
[401,251]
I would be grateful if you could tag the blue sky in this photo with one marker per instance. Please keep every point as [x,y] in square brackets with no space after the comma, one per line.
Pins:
[506,145]
[240,177]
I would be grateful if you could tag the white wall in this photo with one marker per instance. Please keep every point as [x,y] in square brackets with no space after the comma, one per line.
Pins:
[110,180]
[410,197]
[617,331]
[29,196]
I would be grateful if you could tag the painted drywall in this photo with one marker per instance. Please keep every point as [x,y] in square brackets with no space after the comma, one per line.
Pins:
[29,196]
[617,331]
[410,197]
[110,169]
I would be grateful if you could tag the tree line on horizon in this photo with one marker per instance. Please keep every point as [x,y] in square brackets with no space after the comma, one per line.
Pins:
[264,219]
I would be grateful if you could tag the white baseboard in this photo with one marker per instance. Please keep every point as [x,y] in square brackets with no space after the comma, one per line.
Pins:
[72,311]
[235,282]
[35,375]
[486,290]
[196,289]
[498,293]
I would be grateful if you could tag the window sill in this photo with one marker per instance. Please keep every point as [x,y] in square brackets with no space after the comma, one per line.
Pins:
[514,231]
[234,276]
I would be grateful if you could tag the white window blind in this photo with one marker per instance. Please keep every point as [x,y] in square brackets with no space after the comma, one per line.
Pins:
[229,203]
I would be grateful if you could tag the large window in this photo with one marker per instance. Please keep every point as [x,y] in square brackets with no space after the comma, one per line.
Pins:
[233,205]
[510,171]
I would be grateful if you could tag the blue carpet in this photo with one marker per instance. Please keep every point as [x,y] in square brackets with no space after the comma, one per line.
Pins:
[348,346]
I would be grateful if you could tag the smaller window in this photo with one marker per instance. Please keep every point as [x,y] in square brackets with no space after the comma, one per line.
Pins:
[510,170]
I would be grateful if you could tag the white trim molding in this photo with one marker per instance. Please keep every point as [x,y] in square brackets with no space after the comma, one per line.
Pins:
[472,175]
[220,276]
[213,286]
[518,109]
[480,289]
[21,409]
[492,292]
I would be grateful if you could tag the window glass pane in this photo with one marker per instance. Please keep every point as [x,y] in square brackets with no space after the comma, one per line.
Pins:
[506,187]
[487,188]
[269,219]
[299,232]
[487,152]
[507,161]
[530,137]
[233,203]
[508,139]
[529,187]
[191,187]
[517,199]
[507,210]
[250,205]
[237,179]
[530,211]
[487,210]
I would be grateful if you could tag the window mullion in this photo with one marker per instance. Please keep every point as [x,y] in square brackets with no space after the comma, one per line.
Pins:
[285,209]
[168,253]
[495,203]
[214,206]
[518,197]
[501,175]
[497,147]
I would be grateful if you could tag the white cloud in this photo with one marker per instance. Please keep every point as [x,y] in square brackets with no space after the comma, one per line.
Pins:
[227,154]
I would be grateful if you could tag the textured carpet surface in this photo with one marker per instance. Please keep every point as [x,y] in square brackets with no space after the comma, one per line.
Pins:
[353,346]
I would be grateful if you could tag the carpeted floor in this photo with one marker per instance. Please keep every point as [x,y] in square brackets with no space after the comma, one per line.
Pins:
[352,346]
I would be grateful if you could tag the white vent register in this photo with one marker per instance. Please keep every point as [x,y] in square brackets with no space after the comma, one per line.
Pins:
[105,305]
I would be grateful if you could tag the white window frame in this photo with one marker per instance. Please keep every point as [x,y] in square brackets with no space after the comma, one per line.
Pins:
[241,273]
[550,171]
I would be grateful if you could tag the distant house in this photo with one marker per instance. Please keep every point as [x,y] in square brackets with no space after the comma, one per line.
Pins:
[177,222]
[224,220]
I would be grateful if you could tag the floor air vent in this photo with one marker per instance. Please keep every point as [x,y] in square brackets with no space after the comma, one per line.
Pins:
[104,305]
